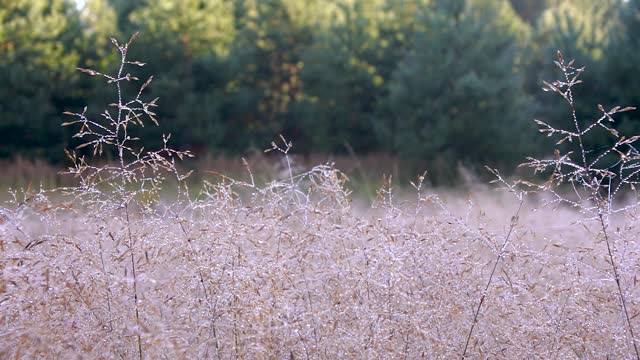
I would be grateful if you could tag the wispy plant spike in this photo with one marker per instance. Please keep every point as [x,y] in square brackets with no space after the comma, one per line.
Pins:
[88,71]
[595,188]
[132,39]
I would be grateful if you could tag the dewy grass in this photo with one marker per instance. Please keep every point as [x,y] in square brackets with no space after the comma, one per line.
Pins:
[295,269]
[597,177]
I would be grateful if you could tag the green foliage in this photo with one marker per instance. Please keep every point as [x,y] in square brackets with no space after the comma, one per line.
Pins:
[37,60]
[448,98]
[622,64]
[529,10]
[423,79]
[187,41]
[343,79]
[264,65]
[580,28]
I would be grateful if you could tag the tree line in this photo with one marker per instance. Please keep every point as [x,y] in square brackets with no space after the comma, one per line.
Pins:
[436,80]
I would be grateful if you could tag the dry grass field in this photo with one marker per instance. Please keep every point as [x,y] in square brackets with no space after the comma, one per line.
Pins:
[301,272]
[297,268]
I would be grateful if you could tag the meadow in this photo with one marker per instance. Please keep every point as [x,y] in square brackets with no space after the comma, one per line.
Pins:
[115,265]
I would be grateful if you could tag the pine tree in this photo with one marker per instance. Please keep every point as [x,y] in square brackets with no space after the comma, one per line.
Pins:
[580,29]
[264,69]
[530,10]
[456,95]
[341,78]
[188,43]
[621,63]
[38,56]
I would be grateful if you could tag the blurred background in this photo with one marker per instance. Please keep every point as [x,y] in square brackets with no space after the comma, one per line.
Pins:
[376,85]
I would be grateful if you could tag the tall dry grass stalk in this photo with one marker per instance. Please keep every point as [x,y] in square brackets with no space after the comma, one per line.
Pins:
[293,269]
[597,177]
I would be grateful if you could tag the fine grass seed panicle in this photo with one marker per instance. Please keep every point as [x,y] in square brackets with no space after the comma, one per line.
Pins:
[123,266]
[597,178]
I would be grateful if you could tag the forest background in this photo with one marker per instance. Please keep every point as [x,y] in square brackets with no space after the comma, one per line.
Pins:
[427,81]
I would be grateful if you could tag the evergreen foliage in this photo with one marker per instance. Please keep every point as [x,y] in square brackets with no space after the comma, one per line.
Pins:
[456,94]
[423,79]
[621,62]
[38,55]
